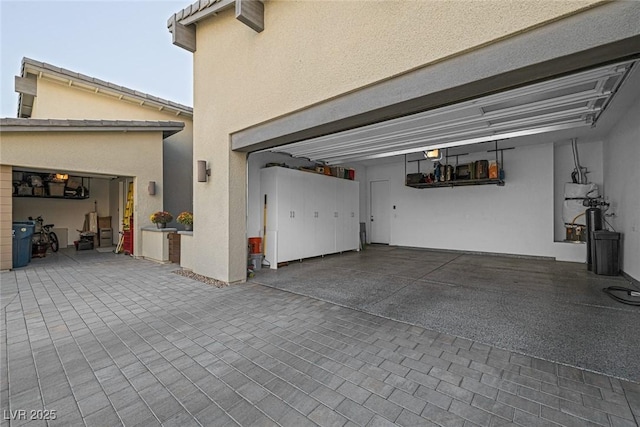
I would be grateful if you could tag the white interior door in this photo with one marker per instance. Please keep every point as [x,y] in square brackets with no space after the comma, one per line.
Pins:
[380,212]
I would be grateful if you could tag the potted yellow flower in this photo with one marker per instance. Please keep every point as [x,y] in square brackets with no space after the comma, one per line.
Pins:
[161,218]
[186,219]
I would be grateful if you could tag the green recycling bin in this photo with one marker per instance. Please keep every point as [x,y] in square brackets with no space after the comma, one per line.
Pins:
[22,234]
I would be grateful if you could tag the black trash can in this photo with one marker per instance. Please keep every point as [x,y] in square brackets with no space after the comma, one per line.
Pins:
[607,253]
[22,234]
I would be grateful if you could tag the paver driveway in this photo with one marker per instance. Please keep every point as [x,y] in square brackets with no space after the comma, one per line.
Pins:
[122,341]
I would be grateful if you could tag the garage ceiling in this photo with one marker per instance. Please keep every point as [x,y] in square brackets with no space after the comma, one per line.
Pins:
[567,102]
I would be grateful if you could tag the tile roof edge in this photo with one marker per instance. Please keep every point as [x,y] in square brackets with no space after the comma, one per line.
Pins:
[192,9]
[78,123]
[52,69]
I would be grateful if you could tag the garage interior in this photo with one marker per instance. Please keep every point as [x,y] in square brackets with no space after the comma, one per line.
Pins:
[496,263]
[67,199]
[532,128]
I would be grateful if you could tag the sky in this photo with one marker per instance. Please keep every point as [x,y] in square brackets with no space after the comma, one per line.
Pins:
[122,42]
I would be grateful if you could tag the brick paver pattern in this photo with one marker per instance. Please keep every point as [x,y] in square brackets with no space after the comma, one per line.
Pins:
[127,342]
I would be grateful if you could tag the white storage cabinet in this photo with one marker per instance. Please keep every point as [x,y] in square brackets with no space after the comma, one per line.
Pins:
[308,214]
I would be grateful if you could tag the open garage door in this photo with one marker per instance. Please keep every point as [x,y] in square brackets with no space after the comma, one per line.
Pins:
[567,102]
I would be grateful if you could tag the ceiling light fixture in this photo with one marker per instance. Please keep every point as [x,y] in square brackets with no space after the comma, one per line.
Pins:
[433,155]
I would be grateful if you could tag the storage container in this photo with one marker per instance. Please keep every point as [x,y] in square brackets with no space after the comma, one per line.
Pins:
[104,222]
[256,261]
[482,169]
[22,234]
[255,245]
[416,178]
[493,169]
[106,237]
[464,171]
[607,250]
[56,189]
[25,190]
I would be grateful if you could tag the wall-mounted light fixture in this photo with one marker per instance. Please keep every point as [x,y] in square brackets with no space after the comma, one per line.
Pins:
[203,171]
[62,176]
[433,155]
[151,188]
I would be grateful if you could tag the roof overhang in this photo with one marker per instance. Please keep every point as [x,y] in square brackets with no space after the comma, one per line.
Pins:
[167,128]
[182,26]
[32,71]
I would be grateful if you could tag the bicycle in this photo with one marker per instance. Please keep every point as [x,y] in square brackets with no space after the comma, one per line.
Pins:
[45,235]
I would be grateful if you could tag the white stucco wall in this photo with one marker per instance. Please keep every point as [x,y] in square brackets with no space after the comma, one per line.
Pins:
[310,52]
[6,206]
[622,186]
[58,100]
[155,243]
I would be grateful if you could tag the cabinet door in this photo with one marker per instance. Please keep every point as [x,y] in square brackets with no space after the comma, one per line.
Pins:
[291,190]
[353,215]
[311,203]
[325,242]
[347,227]
[341,216]
[318,233]
[308,215]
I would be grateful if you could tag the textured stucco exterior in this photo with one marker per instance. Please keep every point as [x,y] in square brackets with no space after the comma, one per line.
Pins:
[58,100]
[6,205]
[311,52]
[94,153]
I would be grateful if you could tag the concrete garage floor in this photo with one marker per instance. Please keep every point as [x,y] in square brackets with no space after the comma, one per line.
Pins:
[107,340]
[552,310]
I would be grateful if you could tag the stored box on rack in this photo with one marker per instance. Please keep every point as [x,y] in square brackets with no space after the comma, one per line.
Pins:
[493,170]
[25,190]
[74,182]
[465,171]
[416,178]
[56,189]
[482,169]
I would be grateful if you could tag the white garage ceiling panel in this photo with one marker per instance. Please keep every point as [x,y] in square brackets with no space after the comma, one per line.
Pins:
[561,103]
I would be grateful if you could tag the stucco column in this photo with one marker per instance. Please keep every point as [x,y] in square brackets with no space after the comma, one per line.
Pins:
[219,205]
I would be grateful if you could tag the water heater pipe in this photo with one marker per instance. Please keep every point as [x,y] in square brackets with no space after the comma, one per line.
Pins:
[579,170]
